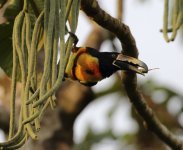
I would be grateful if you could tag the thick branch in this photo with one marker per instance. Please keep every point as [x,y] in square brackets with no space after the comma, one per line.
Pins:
[122,31]
[93,10]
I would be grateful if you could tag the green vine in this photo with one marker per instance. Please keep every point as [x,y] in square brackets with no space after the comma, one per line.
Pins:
[177,19]
[49,27]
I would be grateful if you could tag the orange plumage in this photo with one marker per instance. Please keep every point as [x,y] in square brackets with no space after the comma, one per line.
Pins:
[87,68]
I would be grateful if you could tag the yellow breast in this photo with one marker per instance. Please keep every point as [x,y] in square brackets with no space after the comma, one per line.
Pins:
[87,68]
[83,67]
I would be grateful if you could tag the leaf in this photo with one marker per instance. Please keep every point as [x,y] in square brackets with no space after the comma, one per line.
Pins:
[6,51]
[13,8]
[39,4]
[2,2]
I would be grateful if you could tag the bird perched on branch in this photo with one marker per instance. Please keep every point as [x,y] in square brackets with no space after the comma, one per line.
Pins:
[88,65]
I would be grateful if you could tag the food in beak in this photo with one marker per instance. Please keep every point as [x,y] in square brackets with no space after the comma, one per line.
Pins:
[124,62]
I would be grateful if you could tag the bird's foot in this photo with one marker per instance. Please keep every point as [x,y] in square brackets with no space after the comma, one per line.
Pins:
[75,39]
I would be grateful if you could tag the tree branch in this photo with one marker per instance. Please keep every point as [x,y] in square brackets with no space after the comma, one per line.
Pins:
[122,31]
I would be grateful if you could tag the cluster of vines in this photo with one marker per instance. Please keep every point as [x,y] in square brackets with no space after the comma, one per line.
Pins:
[176,20]
[50,25]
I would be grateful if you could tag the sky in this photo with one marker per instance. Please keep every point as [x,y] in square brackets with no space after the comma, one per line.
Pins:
[145,21]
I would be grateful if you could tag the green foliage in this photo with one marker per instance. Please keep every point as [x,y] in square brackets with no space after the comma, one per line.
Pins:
[15,6]
[37,5]
[176,19]
[6,53]
[13,9]
[6,29]
[19,47]
[2,2]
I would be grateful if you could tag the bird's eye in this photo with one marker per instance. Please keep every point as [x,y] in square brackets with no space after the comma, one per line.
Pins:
[89,71]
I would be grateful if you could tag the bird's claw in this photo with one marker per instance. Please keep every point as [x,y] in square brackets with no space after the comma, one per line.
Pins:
[75,38]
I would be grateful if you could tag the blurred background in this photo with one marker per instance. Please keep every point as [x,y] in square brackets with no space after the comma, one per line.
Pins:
[110,122]
[111,115]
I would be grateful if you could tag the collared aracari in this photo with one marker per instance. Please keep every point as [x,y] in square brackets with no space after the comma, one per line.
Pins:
[89,66]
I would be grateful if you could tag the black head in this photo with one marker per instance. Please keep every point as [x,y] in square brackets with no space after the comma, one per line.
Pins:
[110,62]
[106,60]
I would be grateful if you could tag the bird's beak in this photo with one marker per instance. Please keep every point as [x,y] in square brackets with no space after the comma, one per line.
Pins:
[124,62]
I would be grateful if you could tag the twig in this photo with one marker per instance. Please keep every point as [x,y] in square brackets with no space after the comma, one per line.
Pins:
[122,31]
[120,7]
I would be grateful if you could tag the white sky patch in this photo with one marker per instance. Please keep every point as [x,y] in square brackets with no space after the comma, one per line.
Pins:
[145,21]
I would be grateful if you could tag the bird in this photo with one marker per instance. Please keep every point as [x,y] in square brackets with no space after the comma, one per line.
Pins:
[89,66]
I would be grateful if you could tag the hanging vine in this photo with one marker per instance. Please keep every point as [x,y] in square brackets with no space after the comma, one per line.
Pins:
[31,28]
[176,20]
